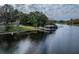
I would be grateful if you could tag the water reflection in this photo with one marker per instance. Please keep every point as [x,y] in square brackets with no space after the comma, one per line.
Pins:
[64,40]
[34,43]
[7,43]
[21,43]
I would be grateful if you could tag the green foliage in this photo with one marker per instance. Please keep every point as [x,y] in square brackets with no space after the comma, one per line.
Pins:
[8,15]
[34,19]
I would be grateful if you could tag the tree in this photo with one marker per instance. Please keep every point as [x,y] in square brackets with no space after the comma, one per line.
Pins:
[25,19]
[38,18]
[7,13]
[34,19]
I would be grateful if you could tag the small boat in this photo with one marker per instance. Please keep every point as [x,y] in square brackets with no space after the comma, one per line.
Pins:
[51,27]
[48,28]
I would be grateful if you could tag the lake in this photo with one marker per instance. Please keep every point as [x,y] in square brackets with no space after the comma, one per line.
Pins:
[62,41]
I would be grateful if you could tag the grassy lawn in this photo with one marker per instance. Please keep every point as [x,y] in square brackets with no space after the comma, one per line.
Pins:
[14,28]
[27,27]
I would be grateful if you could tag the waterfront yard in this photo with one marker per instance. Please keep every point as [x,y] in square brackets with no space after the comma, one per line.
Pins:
[13,28]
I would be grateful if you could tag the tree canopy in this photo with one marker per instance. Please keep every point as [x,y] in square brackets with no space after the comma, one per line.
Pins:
[8,15]
[35,19]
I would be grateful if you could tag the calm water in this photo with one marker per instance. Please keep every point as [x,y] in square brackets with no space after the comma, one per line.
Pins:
[64,40]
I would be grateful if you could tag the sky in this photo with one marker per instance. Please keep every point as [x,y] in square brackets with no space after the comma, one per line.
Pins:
[53,11]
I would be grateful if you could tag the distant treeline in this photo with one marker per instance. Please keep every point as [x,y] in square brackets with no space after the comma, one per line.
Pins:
[69,22]
[72,21]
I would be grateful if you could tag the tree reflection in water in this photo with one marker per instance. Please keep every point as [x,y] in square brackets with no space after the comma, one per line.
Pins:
[9,43]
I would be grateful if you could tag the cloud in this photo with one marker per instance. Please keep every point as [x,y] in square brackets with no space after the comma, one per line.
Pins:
[53,11]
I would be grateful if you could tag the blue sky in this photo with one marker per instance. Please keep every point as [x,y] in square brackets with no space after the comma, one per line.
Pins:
[53,11]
